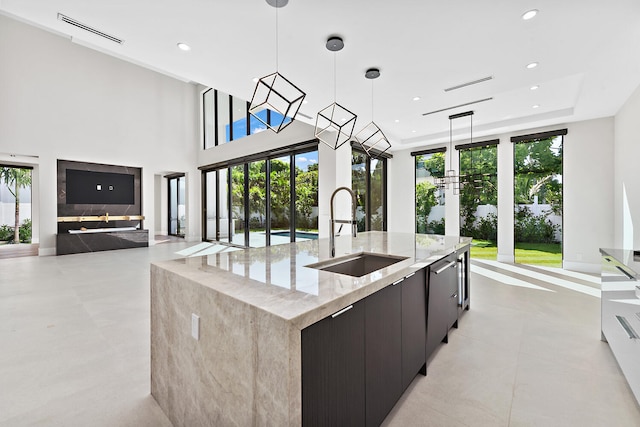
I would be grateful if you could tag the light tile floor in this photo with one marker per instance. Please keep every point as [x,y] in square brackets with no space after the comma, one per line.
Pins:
[74,349]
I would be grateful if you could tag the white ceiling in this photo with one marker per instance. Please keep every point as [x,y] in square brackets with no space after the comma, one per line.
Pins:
[587,51]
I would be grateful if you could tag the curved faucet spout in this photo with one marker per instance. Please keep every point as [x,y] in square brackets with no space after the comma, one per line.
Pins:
[353,222]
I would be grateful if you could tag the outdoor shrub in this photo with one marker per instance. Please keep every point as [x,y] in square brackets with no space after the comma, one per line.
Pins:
[25,231]
[487,228]
[435,227]
[530,228]
[255,223]
[6,233]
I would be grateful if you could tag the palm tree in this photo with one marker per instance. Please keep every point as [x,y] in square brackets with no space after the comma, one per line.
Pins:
[16,178]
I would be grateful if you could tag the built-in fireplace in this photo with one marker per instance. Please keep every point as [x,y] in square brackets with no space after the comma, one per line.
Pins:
[99,208]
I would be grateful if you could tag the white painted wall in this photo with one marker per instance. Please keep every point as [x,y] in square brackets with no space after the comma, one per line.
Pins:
[61,100]
[626,200]
[587,178]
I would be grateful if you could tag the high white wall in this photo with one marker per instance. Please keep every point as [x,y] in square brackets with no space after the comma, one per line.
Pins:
[587,199]
[60,100]
[626,199]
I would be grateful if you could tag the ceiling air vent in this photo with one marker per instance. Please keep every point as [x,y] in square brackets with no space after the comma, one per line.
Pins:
[84,27]
[457,106]
[474,82]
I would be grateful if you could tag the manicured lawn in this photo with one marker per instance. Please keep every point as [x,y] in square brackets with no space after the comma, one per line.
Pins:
[484,249]
[547,254]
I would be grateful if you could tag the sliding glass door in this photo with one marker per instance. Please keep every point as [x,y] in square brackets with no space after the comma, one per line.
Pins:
[269,201]
[177,206]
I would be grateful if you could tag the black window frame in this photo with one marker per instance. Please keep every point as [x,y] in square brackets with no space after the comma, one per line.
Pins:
[385,173]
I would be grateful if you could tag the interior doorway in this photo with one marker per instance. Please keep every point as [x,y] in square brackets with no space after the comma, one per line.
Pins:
[16,230]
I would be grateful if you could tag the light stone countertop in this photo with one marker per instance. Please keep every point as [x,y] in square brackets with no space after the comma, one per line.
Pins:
[275,278]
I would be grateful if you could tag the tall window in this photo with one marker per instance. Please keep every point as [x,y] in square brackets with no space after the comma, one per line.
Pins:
[226,118]
[369,183]
[266,201]
[538,198]
[177,218]
[430,200]
[479,197]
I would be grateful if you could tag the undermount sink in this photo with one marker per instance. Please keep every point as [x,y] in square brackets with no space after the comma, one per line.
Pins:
[358,265]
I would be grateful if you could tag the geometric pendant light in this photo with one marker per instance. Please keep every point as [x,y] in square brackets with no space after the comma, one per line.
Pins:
[371,138]
[335,123]
[276,93]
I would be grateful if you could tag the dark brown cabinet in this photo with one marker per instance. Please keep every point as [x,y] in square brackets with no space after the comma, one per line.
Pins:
[383,352]
[333,370]
[414,326]
[442,311]
[357,363]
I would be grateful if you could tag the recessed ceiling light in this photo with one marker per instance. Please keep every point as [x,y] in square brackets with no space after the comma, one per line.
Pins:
[305,102]
[534,87]
[184,46]
[532,65]
[397,121]
[529,14]
[255,79]
[416,98]
[413,131]
[536,106]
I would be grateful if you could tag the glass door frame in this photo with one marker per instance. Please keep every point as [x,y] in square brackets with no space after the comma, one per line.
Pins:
[177,178]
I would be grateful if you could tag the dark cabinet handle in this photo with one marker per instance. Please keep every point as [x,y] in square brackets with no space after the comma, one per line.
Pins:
[454,295]
[623,271]
[441,269]
[344,310]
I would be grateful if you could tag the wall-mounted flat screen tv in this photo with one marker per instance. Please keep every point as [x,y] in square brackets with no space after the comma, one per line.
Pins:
[99,188]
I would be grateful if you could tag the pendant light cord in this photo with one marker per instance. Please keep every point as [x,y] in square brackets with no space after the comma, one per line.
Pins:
[450,142]
[372,100]
[335,79]
[276,8]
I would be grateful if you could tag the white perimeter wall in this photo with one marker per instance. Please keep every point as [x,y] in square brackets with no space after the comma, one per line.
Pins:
[60,100]
[626,200]
[588,199]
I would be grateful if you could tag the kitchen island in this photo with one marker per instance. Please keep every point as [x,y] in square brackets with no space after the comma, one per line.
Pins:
[620,310]
[226,329]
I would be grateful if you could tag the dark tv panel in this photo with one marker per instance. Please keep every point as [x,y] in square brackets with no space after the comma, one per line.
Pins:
[99,188]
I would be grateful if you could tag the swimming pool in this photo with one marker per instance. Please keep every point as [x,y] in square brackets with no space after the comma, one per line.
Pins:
[299,234]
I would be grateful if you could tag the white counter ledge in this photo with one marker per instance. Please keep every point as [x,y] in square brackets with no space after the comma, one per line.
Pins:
[252,305]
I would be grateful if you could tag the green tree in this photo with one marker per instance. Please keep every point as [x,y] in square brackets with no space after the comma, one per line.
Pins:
[257,190]
[306,195]
[538,169]
[478,170]
[425,198]
[280,193]
[15,179]
[434,164]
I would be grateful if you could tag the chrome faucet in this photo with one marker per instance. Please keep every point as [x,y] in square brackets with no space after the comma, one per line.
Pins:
[353,222]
